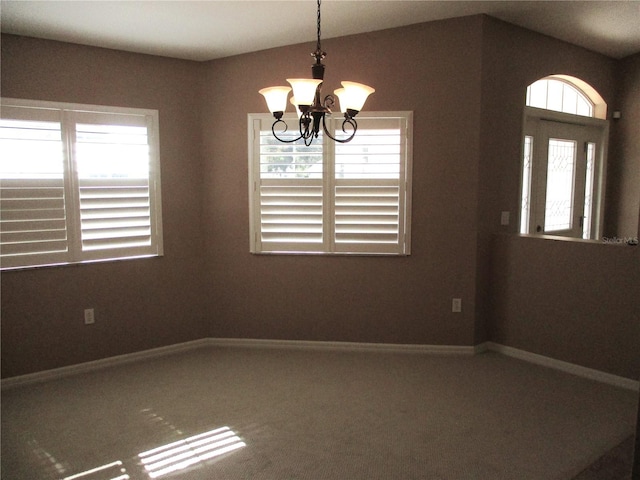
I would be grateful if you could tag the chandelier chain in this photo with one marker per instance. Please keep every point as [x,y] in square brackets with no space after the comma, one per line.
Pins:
[318,48]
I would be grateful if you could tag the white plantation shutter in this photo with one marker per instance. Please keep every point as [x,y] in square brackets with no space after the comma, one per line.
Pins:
[33,203]
[112,162]
[82,188]
[371,188]
[287,191]
[341,199]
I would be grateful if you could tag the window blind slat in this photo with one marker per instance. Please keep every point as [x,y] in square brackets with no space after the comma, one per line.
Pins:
[29,236]
[23,204]
[32,215]
[34,247]
[115,192]
[111,233]
[114,223]
[292,209]
[288,238]
[33,225]
[367,219]
[116,243]
[291,217]
[27,193]
[114,213]
[357,237]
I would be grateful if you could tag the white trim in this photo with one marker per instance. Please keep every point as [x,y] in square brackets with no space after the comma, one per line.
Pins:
[77,107]
[86,367]
[566,367]
[534,358]
[343,346]
[94,365]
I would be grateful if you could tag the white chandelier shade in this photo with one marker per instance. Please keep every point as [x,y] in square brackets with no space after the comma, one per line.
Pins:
[276,98]
[304,89]
[353,96]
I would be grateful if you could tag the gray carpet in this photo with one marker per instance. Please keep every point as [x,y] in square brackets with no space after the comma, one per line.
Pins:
[292,414]
[616,464]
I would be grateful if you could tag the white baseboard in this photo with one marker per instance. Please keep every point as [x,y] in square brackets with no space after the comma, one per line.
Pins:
[86,367]
[563,366]
[56,373]
[323,346]
[344,346]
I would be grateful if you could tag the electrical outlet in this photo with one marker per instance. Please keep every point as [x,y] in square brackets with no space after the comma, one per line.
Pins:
[89,316]
[504,218]
[456,305]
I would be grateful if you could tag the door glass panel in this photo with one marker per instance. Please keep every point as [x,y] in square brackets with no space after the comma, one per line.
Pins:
[525,200]
[560,175]
[588,192]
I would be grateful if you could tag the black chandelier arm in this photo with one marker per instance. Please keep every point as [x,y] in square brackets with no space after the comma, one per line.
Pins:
[309,127]
[329,101]
[347,121]
[286,127]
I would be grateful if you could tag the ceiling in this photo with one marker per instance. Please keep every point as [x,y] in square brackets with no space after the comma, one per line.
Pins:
[205,30]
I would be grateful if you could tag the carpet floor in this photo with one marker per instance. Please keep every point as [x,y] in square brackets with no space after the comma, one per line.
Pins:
[616,464]
[258,413]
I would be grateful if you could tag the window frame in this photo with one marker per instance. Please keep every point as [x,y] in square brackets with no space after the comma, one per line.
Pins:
[69,115]
[328,184]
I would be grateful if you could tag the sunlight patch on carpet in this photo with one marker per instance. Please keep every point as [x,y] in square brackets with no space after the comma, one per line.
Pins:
[190,451]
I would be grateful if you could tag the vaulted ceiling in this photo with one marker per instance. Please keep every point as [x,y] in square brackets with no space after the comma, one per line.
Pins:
[205,30]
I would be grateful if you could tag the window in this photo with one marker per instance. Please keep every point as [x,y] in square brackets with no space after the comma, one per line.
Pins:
[563,162]
[332,198]
[78,183]
[559,95]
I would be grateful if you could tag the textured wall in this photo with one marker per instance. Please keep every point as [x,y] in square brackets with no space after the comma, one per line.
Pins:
[623,182]
[432,69]
[138,304]
[573,302]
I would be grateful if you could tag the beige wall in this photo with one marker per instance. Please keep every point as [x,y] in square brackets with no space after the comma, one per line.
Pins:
[624,160]
[463,78]
[512,59]
[577,302]
[432,69]
[138,304]
[573,302]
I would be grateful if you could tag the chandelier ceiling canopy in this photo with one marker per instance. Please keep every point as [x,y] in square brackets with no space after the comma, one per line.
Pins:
[312,109]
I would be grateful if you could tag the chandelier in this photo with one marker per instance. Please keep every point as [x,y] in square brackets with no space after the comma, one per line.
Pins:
[311,108]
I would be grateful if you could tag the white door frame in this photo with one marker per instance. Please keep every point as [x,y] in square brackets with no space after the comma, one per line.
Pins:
[540,124]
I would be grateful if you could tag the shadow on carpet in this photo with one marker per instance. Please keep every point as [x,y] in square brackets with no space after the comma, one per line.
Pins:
[616,464]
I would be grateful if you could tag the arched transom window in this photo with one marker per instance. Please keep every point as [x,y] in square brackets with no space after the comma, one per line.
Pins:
[553,93]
